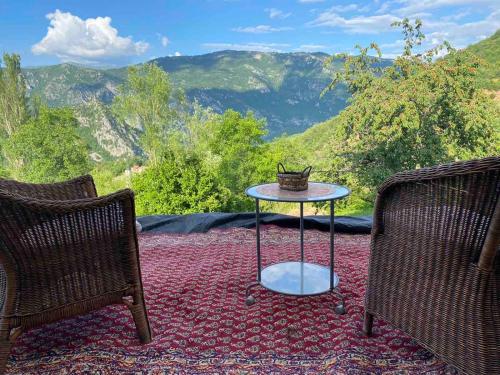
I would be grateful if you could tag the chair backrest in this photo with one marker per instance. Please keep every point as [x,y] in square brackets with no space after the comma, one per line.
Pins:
[21,228]
[77,188]
[56,252]
[454,206]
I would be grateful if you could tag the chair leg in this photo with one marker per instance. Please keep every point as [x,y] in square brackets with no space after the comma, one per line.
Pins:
[368,324]
[5,346]
[138,310]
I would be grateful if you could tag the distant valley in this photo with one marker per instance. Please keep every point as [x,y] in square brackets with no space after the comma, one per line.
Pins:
[284,88]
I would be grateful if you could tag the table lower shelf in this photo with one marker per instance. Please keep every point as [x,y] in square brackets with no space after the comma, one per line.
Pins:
[298,278]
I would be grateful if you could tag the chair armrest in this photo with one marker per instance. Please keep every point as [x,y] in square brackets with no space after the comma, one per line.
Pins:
[450,206]
[76,188]
[112,215]
[90,244]
[71,205]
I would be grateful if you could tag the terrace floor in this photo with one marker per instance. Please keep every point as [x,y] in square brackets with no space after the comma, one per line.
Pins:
[195,292]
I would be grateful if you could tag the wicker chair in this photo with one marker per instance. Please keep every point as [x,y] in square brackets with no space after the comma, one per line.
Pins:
[64,252]
[435,261]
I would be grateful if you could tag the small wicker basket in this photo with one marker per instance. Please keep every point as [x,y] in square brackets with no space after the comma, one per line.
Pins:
[295,181]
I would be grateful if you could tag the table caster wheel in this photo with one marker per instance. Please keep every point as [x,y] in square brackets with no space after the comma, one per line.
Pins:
[250,300]
[340,309]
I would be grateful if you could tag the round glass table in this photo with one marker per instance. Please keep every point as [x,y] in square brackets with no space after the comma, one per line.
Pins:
[298,278]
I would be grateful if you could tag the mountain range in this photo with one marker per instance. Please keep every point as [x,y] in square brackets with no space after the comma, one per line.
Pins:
[284,88]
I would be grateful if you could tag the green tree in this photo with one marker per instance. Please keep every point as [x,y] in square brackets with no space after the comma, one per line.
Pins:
[148,100]
[13,100]
[358,71]
[233,146]
[180,184]
[47,148]
[4,173]
[420,111]
[206,165]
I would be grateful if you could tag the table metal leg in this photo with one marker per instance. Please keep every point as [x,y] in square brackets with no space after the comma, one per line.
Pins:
[340,308]
[332,233]
[249,299]
[257,228]
[301,232]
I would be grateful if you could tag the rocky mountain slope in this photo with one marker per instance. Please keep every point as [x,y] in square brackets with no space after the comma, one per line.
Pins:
[284,88]
[107,138]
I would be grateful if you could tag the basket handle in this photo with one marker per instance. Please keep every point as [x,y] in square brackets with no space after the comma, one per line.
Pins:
[307,171]
[282,167]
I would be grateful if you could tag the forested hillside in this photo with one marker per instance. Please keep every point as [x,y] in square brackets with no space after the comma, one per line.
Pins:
[488,50]
[316,138]
[283,88]
[141,127]
[406,118]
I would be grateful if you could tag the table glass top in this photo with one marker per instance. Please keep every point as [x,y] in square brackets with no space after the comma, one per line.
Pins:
[298,278]
[317,192]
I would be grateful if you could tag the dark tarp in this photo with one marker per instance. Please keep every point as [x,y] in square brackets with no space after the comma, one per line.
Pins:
[196,223]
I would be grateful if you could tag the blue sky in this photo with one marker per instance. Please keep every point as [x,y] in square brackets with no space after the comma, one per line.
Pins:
[123,32]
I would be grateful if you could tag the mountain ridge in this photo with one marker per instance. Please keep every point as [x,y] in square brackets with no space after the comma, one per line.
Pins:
[284,88]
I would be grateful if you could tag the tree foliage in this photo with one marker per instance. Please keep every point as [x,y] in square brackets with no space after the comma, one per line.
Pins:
[12,95]
[358,71]
[206,166]
[47,148]
[197,160]
[232,145]
[421,111]
[180,184]
[148,99]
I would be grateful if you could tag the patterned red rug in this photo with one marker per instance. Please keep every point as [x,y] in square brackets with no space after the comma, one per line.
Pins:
[195,292]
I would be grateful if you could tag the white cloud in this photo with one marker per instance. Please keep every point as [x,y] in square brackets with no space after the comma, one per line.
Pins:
[449,29]
[446,24]
[86,41]
[177,54]
[457,16]
[414,6]
[461,35]
[311,48]
[383,8]
[349,8]
[261,47]
[391,56]
[397,44]
[392,49]
[276,13]
[358,24]
[163,39]
[260,29]
[420,15]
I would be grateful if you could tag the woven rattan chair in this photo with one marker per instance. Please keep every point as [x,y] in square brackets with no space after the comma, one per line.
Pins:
[64,252]
[435,261]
